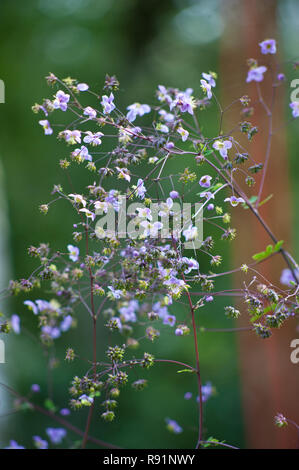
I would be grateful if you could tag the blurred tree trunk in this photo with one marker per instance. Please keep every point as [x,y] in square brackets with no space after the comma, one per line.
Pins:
[270,382]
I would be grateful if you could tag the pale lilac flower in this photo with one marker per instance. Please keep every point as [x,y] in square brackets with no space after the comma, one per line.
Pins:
[234,201]
[188,396]
[192,264]
[169,146]
[85,398]
[15,323]
[14,445]
[222,146]
[61,100]
[52,331]
[78,199]
[183,133]
[66,323]
[209,298]
[174,195]
[169,320]
[268,46]
[166,207]
[295,108]
[56,435]
[82,153]
[210,207]
[206,87]
[128,311]
[281,77]
[31,305]
[140,188]
[178,332]
[65,412]
[167,117]
[144,212]
[93,139]
[107,103]
[206,391]
[123,173]
[162,128]
[35,388]
[190,233]
[40,443]
[287,278]
[173,426]
[208,195]
[205,181]
[46,126]
[82,87]
[88,213]
[163,94]
[72,137]
[256,74]
[184,101]
[137,109]
[151,229]
[90,112]
[116,293]
[209,78]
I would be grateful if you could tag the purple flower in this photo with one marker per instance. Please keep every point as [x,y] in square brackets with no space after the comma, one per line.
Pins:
[174,195]
[169,320]
[15,323]
[205,181]
[169,146]
[107,103]
[116,293]
[183,133]
[209,78]
[163,94]
[188,396]
[256,74]
[31,305]
[210,207]
[65,412]
[82,87]
[234,200]
[71,137]
[167,117]
[179,332]
[35,388]
[14,445]
[40,443]
[66,323]
[206,391]
[184,101]
[222,146]
[61,100]
[190,233]
[173,426]
[46,126]
[93,139]
[51,331]
[206,87]
[56,435]
[140,189]
[74,252]
[281,77]
[209,298]
[82,154]
[90,112]
[268,46]
[287,278]
[137,109]
[295,108]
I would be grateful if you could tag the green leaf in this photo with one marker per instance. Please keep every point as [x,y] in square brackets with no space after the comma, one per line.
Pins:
[49,405]
[270,250]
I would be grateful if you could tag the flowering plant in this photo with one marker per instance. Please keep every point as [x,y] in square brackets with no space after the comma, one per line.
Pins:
[137,248]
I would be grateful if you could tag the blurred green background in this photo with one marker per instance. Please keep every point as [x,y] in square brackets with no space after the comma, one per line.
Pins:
[144,43]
